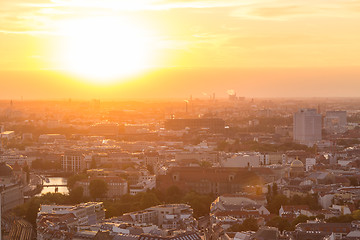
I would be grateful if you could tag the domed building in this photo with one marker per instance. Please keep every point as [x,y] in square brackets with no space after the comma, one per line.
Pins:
[297,169]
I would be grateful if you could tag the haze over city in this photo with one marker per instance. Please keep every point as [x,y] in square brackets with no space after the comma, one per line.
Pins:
[179,119]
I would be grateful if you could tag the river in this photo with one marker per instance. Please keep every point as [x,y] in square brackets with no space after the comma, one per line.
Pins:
[55,181]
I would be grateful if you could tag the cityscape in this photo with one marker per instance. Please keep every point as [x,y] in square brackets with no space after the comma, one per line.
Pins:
[232,168]
[179,120]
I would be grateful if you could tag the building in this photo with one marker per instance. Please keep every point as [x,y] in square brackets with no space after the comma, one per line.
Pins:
[293,211]
[284,131]
[297,169]
[55,221]
[167,216]
[21,229]
[235,208]
[244,160]
[85,213]
[213,124]
[144,183]
[73,162]
[339,229]
[275,158]
[181,236]
[307,127]
[12,158]
[208,180]
[105,129]
[11,190]
[173,216]
[199,156]
[51,138]
[310,163]
[7,135]
[335,121]
[116,186]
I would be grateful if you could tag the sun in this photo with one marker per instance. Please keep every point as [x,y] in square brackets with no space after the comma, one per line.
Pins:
[104,50]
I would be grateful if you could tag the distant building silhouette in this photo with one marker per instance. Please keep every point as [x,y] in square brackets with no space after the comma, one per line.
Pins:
[213,124]
[335,122]
[307,127]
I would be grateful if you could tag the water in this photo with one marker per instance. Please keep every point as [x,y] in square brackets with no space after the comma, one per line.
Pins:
[55,181]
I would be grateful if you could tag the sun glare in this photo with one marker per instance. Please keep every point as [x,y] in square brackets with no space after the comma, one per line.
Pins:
[104,49]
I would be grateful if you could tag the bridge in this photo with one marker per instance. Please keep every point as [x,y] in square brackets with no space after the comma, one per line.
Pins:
[55,185]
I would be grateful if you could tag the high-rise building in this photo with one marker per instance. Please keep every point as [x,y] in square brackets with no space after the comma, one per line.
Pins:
[307,127]
[73,161]
[335,122]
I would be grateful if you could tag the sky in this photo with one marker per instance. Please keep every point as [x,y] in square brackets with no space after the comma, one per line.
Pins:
[176,48]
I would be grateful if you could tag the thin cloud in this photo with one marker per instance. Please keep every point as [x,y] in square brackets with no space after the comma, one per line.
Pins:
[282,10]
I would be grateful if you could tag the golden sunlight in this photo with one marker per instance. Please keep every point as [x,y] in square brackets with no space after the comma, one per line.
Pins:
[104,49]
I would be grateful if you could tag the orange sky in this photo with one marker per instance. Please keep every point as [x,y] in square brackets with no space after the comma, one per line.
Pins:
[165,48]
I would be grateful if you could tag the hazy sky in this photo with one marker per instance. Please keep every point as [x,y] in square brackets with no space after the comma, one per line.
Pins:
[167,48]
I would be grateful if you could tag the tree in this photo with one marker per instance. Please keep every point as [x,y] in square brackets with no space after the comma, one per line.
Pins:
[149,199]
[173,194]
[274,189]
[32,210]
[268,195]
[37,164]
[73,179]
[76,195]
[356,214]
[199,203]
[341,219]
[276,202]
[300,219]
[353,181]
[250,224]
[280,223]
[310,200]
[98,188]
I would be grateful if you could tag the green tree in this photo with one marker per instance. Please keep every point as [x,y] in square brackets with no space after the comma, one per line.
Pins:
[299,219]
[73,179]
[274,189]
[98,188]
[280,223]
[37,164]
[76,195]
[173,194]
[276,202]
[149,199]
[250,224]
[199,203]
[32,210]
[341,219]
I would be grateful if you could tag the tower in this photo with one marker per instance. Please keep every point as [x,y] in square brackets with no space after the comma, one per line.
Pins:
[307,127]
